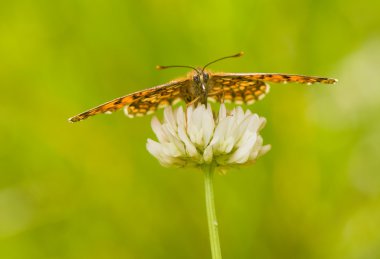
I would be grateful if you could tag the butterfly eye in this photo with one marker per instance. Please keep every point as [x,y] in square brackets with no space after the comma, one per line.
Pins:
[205,77]
[196,79]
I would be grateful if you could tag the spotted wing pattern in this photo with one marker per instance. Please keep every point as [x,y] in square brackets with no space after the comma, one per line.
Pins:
[139,103]
[237,89]
[247,88]
[157,98]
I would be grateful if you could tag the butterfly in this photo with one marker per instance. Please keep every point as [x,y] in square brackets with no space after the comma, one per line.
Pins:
[199,86]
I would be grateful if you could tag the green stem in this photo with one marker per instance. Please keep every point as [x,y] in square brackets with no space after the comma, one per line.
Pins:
[211,215]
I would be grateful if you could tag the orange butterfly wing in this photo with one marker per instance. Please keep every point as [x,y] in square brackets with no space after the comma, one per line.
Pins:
[139,103]
[249,87]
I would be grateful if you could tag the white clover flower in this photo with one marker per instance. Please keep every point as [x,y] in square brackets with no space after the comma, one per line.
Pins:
[198,138]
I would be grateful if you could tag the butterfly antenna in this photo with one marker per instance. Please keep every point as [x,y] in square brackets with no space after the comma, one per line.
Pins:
[232,56]
[165,67]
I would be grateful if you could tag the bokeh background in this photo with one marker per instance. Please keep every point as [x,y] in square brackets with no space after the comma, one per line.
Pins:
[91,189]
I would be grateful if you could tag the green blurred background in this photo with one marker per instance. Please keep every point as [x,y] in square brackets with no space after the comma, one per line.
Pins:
[91,189]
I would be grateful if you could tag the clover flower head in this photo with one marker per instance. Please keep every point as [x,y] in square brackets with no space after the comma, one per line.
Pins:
[197,137]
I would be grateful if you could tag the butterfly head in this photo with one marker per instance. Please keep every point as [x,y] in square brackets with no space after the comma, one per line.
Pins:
[200,78]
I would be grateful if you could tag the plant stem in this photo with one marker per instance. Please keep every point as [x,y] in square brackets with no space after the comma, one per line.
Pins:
[211,215]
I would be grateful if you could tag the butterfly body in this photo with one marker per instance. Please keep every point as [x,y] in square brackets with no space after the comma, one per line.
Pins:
[199,86]
[196,91]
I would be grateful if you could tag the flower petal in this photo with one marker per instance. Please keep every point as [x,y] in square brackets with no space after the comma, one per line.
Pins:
[241,155]
[208,125]
[157,129]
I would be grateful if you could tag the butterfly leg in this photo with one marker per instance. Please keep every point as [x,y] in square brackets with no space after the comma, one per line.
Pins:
[195,101]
